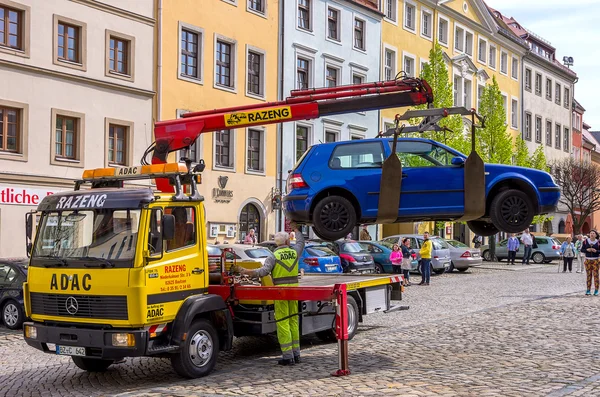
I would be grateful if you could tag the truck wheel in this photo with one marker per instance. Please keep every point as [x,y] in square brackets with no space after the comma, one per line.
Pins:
[334,217]
[329,334]
[199,352]
[92,364]
[12,314]
[512,211]
[482,228]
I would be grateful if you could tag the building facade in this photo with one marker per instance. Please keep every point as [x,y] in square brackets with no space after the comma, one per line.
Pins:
[219,56]
[77,87]
[326,44]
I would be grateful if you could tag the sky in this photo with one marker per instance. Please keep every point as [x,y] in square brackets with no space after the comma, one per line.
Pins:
[573,28]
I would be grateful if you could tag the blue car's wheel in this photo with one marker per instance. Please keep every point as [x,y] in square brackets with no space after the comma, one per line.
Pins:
[334,217]
[512,211]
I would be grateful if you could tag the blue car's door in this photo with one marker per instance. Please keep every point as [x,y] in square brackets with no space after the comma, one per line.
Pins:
[431,184]
[358,167]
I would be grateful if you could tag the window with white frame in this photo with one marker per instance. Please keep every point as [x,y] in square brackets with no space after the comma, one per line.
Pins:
[538,129]
[567,98]
[409,65]
[566,140]
[257,6]
[549,133]
[302,140]
[492,57]
[333,24]
[528,126]
[479,95]
[255,150]
[467,93]
[390,9]
[332,76]
[482,51]
[548,89]
[190,65]
[359,34]
[538,84]
[459,39]
[256,73]
[514,114]
[330,136]
[443,26]
[457,90]
[195,153]
[225,64]
[389,68]
[505,105]
[424,62]
[426,23]
[528,79]
[558,94]
[503,62]
[514,71]
[305,14]
[224,149]
[557,141]
[469,43]
[410,12]
[303,73]
[357,78]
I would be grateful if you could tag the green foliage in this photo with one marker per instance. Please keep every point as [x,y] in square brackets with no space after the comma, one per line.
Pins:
[522,153]
[494,142]
[538,159]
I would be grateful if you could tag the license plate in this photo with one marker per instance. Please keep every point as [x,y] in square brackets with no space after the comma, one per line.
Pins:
[475,255]
[70,350]
[330,267]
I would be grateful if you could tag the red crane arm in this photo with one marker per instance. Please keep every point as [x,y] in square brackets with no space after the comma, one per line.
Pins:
[308,104]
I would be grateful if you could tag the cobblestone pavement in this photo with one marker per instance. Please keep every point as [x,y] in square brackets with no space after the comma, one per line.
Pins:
[496,331]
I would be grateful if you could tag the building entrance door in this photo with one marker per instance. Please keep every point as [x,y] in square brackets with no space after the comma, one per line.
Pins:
[250,219]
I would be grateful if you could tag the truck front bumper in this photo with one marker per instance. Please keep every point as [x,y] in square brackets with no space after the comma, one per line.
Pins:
[97,342]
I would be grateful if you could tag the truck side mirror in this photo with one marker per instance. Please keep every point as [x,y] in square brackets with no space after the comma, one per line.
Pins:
[168,227]
[28,232]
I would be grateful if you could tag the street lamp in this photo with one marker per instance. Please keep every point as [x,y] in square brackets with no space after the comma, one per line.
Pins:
[568,61]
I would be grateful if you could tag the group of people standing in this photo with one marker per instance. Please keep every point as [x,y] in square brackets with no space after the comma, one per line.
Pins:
[402,256]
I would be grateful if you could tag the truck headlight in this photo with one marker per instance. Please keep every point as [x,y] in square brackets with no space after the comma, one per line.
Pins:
[123,340]
[30,332]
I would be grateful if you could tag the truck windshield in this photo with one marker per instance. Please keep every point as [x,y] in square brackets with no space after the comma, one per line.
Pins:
[89,238]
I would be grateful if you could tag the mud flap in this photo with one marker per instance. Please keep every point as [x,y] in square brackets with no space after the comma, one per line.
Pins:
[474,182]
[391,184]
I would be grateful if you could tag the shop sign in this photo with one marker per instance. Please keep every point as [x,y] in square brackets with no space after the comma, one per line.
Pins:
[220,194]
[19,195]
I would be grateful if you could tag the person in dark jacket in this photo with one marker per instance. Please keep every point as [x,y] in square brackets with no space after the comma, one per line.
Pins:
[407,254]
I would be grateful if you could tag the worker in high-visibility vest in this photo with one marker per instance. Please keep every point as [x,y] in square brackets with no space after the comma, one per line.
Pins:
[283,267]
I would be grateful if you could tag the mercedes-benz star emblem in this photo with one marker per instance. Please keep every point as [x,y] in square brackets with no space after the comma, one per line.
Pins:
[72,305]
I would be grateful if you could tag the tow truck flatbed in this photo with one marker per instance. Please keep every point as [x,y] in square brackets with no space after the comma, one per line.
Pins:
[352,281]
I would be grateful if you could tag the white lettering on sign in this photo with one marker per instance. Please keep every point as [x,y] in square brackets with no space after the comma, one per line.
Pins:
[18,195]
[87,201]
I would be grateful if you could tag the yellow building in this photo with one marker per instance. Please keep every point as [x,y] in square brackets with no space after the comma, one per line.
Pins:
[221,54]
[476,47]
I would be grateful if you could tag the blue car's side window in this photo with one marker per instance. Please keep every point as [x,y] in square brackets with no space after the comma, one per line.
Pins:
[422,154]
[357,155]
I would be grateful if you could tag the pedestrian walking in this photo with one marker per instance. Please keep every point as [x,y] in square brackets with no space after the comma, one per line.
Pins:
[567,251]
[250,237]
[477,241]
[283,267]
[527,240]
[407,256]
[425,252]
[396,259]
[513,248]
[579,254]
[364,234]
[591,247]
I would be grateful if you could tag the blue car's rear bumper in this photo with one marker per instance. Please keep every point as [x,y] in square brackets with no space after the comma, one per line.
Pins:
[297,208]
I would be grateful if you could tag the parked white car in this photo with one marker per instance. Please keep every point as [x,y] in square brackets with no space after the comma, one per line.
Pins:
[440,255]
[247,253]
[463,257]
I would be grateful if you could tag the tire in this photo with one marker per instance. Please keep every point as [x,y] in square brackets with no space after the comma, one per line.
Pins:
[512,211]
[538,257]
[462,270]
[482,228]
[92,364]
[486,256]
[451,268]
[199,352]
[439,271]
[379,268]
[329,334]
[12,315]
[334,217]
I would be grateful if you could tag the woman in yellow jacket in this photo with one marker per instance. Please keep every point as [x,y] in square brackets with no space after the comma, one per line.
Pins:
[425,253]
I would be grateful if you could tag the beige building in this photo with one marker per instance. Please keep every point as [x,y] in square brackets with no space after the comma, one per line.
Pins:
[77,86]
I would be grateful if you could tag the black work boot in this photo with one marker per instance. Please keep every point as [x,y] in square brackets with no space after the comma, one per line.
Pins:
[286,361]
[297,359]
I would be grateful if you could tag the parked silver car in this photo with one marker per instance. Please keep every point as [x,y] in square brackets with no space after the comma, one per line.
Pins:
[548,250]
[463,257]
[440,256]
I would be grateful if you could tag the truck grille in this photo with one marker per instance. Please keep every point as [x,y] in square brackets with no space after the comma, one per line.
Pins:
[85,306]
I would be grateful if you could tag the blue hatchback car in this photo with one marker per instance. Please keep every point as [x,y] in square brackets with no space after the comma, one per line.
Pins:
[314,258]
[335,186]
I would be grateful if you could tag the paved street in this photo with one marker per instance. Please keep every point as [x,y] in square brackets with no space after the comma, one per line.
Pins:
[493,331]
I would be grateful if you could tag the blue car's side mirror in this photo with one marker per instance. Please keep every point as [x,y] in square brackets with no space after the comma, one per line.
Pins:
[458,161]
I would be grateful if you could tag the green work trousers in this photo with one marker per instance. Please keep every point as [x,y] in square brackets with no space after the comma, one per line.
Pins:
[288,330]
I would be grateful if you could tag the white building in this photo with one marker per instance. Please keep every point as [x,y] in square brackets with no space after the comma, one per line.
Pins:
[325,44]
[77,86]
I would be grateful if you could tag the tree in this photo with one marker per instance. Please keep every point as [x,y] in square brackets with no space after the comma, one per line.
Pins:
[538,159]
[494,142]
[580,183]
[521,153]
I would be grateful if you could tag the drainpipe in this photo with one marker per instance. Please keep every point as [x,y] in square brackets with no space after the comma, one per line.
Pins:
[159,65]
[280,70]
